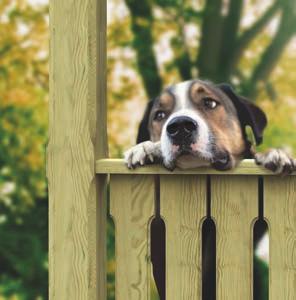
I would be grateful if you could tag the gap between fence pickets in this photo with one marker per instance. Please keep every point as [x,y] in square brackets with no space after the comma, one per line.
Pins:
[117,166]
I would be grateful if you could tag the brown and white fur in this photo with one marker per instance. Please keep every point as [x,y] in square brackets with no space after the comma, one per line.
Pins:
[197,123]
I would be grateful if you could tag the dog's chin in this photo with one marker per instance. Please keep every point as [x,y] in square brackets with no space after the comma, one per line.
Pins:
[189,161]
[220,161]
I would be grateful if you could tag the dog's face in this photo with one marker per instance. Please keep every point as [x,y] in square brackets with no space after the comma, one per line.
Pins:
[199,123]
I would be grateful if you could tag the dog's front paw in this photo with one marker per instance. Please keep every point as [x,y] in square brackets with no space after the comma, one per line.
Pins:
[141,154]
[276,160]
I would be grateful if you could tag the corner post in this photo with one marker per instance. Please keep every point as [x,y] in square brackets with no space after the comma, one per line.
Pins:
[77,138]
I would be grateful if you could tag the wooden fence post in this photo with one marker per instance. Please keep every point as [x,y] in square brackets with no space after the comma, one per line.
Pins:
[77,138]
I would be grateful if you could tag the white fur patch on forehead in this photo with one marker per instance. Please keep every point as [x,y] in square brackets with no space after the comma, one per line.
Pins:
[181,93]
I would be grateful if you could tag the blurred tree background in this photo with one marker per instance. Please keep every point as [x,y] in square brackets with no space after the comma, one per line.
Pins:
[23,134]
[249,43]
[151,44]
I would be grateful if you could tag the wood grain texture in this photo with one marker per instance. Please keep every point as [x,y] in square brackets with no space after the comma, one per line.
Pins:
[234,208]
[77,138]
[132,207]
[280,212]
[183,206]
[117,166]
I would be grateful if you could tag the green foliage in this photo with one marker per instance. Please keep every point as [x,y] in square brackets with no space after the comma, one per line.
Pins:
[23,204]
[111,259]
[261,269]
[168,3]
[23,254]
[23,132]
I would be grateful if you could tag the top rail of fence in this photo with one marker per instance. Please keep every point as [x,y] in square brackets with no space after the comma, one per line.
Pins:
[117,166]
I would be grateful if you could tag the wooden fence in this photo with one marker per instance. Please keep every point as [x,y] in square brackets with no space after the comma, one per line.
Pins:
[235,202]
[77,177]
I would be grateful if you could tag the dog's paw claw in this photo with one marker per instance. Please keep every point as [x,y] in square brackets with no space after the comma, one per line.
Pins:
[277,161]
[140,154]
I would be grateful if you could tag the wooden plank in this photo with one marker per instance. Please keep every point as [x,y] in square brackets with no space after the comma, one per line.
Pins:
[77,138]
[280,213]
[183,206]
[117,166]
[132,206]
[234,209]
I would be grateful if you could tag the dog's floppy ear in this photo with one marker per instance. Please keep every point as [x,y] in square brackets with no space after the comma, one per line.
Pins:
[249,114]
[143,131]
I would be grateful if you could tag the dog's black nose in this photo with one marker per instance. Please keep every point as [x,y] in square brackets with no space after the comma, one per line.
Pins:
[181,128]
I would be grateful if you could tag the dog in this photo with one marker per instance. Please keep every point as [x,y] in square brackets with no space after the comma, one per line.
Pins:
[200,124]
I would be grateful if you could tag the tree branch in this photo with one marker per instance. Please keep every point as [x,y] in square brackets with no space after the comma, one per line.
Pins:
[249,34]
[142,21]
[272,54]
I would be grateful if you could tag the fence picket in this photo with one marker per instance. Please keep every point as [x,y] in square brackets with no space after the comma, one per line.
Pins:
[280,212]
[183,206]
[132,206]
[234,207]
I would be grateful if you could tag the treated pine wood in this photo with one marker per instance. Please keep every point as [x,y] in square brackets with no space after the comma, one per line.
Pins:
[117,166]
[183,207]
[77,138]
[280,213]
[132,207]
[234,208]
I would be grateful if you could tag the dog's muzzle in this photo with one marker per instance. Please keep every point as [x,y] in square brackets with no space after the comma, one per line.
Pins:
[182,131]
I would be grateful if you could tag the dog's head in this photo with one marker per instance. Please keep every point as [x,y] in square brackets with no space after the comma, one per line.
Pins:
[199,123]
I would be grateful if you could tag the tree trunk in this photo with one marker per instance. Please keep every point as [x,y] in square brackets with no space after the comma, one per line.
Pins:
[209,49]
[142,22]
[229,40]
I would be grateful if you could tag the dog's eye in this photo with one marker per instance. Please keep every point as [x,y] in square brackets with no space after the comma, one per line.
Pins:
[159,115]
[210,103]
